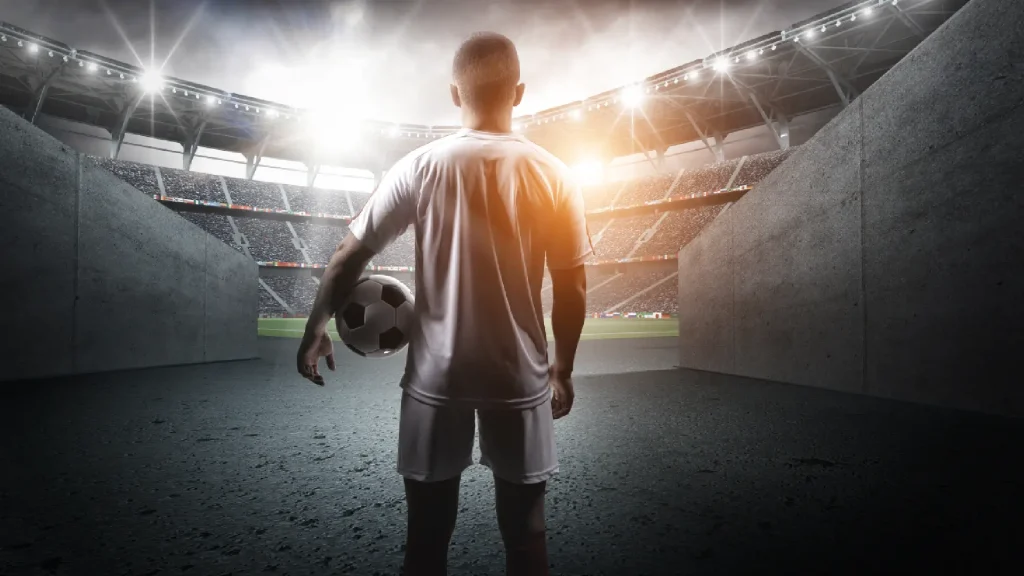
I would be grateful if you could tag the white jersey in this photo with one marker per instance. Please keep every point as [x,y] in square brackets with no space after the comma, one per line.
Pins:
[487,209]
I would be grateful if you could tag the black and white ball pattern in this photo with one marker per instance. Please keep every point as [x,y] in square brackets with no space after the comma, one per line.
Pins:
[376,320]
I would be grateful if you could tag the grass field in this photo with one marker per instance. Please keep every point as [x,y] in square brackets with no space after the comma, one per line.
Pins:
[594,329]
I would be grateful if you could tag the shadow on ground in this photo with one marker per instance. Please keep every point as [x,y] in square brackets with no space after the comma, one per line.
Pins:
[243,468]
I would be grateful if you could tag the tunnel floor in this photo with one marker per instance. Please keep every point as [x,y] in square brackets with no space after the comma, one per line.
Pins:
[245,468]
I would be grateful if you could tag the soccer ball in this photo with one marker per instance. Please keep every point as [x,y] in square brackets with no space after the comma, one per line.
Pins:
[376,320]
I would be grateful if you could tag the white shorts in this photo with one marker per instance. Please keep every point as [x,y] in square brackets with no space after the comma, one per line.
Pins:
[436,442]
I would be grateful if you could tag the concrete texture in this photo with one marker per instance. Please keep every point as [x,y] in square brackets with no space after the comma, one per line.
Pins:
[885,256]
[245,468]
[39,235]
[230,326]
[100,277]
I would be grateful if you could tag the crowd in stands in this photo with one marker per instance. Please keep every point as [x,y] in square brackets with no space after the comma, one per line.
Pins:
[268,305]
[401,253]
[269,240]
[321,240]
[192,185]
[758,166]
[663,298]
[214,224]
[677,229]
[141,176]
[711,178]
[620,236]
[645,189]
[317,201]
[615,238]
[256,194]
[298,291]
[624,287]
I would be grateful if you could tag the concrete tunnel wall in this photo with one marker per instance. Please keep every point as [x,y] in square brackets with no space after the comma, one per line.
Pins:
[97,276]
[886,255]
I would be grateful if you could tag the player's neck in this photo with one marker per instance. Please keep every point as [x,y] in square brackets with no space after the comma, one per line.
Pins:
[500,123]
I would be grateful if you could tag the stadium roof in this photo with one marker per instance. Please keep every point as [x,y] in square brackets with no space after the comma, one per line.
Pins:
[819,63]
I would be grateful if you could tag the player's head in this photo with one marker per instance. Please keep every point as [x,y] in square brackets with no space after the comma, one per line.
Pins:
[485,74]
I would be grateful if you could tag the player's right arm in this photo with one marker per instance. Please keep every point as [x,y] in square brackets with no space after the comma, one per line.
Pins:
[388,213]
[568,248]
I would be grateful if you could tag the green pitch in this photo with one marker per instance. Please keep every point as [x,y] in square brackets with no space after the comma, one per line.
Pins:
[594,329]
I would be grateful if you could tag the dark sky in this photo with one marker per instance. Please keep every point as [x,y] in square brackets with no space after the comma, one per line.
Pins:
[390,59]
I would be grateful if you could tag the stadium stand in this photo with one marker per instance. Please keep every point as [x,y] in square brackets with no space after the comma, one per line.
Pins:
[269,306]
[663,298]
[269,240]
[705,179]
[192,185]
[298,291]
[677,229]
[255,194]
[620,236]
[141,176]
[359,200]
[622,288]
[317,201]
[645,189]
[401,253]
[596,275]
[601,195]
[321,240]
[756,167]
[214,224]
[272,241]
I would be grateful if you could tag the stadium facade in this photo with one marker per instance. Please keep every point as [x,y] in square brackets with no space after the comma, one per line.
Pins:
[696,137]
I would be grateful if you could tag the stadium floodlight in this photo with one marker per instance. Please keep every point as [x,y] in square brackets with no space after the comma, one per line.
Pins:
[809,34]
[394,131]
[32,48]
[751,55]
[333,132]
[210,100]
[774,46]
[3,38]
[91,67]
[632,96]
[272,113]
[517,127]
[587,173]
[151,82]
[577,114]
[20,44]
[867,11]
[722,64]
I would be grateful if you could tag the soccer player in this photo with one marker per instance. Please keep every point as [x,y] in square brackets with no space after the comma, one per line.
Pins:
[487,207]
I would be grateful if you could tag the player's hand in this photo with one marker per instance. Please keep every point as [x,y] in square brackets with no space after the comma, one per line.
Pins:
[314,346]
[562,394]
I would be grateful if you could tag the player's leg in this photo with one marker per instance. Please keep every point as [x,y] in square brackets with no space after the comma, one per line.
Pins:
[435,444]
[433,507]
[519,447]
[520,510]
